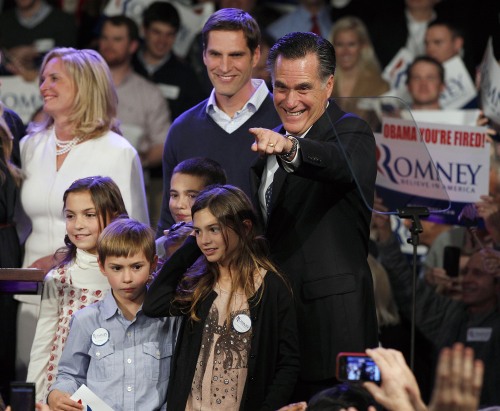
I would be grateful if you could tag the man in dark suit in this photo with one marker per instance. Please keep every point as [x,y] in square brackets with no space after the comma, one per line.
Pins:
[320,165]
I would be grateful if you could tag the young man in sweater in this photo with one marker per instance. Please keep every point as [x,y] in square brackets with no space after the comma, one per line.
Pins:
[217,128]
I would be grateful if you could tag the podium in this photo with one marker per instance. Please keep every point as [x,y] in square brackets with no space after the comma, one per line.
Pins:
[21,280]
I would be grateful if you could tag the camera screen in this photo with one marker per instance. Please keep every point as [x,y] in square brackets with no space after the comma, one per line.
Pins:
[361,368]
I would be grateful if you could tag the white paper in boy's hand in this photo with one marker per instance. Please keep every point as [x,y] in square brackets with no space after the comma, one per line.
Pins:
[89,400]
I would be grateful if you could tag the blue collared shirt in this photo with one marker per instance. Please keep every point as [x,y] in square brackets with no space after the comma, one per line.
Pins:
[130,369]
[229,124]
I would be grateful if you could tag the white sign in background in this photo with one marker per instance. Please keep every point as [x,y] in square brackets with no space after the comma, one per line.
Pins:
[460,154]
[490,85]
[459,87]
[21,96]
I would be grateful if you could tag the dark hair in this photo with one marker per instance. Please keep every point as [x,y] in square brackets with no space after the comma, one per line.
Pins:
[425,59]
[455,31]
[209,170]
[294,46]
[121,20]
[233,20]
[233,211]
[126,237]
[162,12]
[7,166]
[108,203]
[342,396]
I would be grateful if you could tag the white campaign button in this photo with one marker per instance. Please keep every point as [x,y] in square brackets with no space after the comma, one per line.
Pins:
[242,323]
[100,336]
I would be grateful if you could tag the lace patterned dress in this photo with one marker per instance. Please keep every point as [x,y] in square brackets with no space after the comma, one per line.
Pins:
[221,370]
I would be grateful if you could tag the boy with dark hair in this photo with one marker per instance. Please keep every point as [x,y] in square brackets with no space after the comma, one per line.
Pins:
[189,178]
[157,62]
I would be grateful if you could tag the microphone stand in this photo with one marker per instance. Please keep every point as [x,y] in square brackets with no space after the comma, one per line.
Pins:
[414,214]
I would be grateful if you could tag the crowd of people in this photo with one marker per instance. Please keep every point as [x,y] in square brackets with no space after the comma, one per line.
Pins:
[267,260]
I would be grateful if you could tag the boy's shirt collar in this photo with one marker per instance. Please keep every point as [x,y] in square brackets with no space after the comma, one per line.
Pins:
[110,307]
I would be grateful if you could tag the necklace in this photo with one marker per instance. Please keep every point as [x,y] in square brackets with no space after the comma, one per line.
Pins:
[66,146]
[225,291]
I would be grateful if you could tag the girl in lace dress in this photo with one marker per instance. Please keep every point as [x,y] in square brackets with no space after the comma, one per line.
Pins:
[238,348]
[90,204]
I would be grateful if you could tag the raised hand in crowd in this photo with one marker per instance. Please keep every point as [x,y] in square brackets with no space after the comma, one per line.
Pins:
[482,120]
[399,389]
[492,261]
[489,210]
[459,379]
[444,284]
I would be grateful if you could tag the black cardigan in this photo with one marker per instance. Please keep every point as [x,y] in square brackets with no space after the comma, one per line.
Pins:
[273,363]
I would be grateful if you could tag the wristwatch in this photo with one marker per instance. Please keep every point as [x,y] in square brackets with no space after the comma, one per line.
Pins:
[290,155]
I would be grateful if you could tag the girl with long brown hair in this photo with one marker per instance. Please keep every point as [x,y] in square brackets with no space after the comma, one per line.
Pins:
[238,348]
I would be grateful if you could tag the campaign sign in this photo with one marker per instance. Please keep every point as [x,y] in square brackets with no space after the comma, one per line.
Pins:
[490,87]
[21,96]
[428,166]
[459,87]
[395,74]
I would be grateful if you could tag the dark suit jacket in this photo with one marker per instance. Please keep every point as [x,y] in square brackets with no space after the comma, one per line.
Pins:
[318,232]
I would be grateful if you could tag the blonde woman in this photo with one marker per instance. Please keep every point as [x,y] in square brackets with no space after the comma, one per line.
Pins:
[358,71]
[78,137]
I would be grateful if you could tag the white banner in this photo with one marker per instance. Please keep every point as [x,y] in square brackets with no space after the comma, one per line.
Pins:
[464,117]
[21,96]
[461,155]
[459,87]
[490,85]
[395,74]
